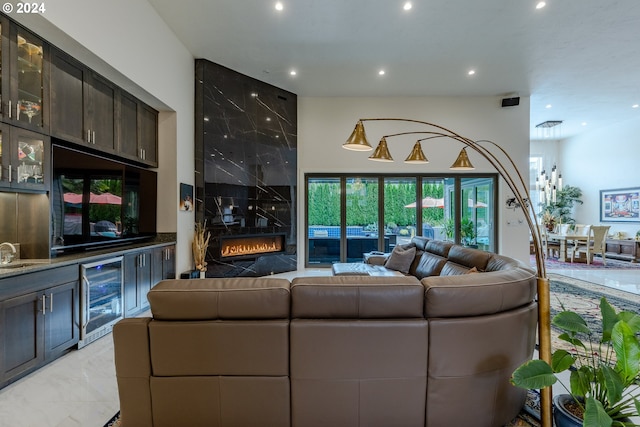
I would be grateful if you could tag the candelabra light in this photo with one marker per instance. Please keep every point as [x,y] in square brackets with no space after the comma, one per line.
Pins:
[548,186]
[506,167]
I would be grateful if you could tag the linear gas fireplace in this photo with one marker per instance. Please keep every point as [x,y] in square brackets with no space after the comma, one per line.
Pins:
[251,246]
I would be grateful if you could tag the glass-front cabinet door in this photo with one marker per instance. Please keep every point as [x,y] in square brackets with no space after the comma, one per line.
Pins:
[23,62]
[24,158]
[27,92]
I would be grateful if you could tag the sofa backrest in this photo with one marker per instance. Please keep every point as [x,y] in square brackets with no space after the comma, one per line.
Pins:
[226,341]
[358,351]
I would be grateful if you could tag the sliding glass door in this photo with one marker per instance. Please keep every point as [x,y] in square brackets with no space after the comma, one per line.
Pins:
[348,215]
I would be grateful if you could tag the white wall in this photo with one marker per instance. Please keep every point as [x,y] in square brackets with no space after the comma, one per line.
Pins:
[324,124]
[127,42]
[602,159]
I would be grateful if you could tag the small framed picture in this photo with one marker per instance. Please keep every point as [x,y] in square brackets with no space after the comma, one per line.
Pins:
[186,197]
[621,205]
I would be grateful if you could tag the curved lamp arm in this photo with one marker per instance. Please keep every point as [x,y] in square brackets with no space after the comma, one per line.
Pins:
[503,163]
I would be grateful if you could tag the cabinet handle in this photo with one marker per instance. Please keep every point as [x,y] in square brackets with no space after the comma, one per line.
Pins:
[51,302]
[89,136]
[9,173]
[9,108]
[93,137]
[44,305]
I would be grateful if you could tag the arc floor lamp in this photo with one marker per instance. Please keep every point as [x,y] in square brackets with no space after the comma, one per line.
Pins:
[506,167]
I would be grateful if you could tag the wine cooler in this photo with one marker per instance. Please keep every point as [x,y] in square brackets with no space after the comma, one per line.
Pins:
[101,298]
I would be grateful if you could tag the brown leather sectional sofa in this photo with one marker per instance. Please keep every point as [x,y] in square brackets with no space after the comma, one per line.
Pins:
[332,351]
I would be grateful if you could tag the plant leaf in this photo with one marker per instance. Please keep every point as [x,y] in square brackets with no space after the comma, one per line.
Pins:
[627,349]
[571,340]
[632,319]
[534,374]
[609,318]
[570,322]
[595,415]
[561,360]
[612,383]
[579,382]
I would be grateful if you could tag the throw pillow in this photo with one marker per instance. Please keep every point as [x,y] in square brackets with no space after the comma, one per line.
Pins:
[401,259]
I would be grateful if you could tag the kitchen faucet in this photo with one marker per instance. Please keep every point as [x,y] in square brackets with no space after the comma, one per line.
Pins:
[5,256]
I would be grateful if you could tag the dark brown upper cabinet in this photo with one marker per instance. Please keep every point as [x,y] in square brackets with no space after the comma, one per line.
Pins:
[82,104]
[24,60]
[138,130]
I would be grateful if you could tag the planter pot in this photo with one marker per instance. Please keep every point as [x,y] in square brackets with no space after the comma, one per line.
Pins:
[564,418]
[561,416]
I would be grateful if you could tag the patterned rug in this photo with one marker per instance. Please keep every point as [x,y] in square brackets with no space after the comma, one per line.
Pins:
[613,264]
[577,295]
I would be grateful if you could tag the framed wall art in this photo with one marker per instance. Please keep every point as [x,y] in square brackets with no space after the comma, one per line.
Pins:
[620,205]
[186,197]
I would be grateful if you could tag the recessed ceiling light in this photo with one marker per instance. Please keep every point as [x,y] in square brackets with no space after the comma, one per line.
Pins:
[268,119]
[540,5]
[584,123]
[381,72]
[279,6]
[635,106]
[471,72]
[293,72]
[206,119]
[407,6]
[253,94]
[548,106]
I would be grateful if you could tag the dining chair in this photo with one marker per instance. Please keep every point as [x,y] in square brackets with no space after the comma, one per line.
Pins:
[595,244]
[550,247]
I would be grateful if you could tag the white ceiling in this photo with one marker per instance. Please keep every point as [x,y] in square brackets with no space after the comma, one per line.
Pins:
[580,56]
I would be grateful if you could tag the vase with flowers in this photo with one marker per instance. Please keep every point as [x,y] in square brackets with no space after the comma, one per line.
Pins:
[200,244]
[549,221]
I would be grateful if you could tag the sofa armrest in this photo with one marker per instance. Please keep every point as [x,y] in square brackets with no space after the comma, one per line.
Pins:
[133,370]
[376,258]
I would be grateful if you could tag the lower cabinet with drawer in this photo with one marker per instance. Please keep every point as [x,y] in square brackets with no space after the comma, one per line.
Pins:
[38,326]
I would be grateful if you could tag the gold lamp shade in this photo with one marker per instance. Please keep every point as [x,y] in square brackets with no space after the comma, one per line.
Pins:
[462,162]
[382,152]
[358,139]
[417,155]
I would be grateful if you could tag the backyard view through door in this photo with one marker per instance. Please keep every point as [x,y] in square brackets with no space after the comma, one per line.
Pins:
[348,216]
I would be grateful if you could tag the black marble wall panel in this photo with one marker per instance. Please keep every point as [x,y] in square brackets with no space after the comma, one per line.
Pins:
[245,148]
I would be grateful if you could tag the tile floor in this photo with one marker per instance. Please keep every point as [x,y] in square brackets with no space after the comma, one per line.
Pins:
[79,389]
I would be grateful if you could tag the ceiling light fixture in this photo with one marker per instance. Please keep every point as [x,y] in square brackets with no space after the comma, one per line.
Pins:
[471,72]
[548,106]
[279,6]
[506,167]
[381,73]
[293,72]
[550,129]
[635,106]
[540,5]
[407,6]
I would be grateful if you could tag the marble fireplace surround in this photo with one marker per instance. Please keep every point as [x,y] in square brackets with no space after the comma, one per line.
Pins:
[245,160]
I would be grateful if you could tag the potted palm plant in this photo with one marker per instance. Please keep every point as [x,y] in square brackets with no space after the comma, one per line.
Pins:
[604,370]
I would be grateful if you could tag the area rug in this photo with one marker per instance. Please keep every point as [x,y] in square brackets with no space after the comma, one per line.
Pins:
[576,295]
[567,293]
[612,264]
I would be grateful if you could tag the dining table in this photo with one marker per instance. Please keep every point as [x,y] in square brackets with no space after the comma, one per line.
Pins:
[565,240]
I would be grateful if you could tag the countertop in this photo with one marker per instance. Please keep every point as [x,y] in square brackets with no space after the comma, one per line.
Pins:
[24,266]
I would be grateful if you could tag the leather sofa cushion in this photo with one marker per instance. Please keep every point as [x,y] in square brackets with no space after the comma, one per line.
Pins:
[439,247]
[232,298]
[477,294]
[469,257]
[420,242]
[356,297]
[429,265]
[214,347]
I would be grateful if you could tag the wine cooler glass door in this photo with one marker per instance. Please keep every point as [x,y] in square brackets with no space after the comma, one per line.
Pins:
[101,297]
